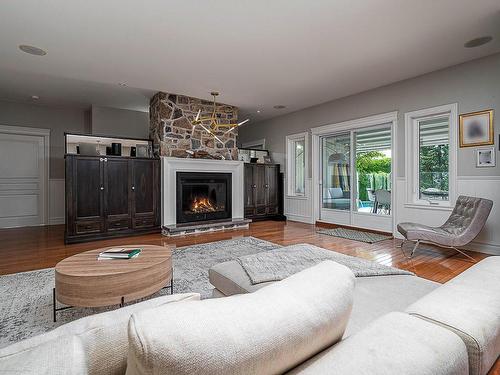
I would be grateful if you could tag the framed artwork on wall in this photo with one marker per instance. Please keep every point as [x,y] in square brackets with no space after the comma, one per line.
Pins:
[476,128]
[485,157]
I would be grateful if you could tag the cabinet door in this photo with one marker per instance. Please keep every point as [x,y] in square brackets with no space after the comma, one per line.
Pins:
[249,190]
[272,189]
[86,185]
[117,187]
[144,191]
[259,180]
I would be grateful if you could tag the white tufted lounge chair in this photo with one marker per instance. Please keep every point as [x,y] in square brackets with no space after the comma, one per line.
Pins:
[464,224]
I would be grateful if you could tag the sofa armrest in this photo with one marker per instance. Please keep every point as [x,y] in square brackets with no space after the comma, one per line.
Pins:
[394,344]
[469,305]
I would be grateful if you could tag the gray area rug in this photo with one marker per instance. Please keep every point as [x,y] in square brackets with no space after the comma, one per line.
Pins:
[280,263]
[26,305]
[356,235]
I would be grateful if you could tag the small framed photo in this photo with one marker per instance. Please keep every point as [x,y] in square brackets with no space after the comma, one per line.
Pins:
[268,160]
[485,157]
[476,128]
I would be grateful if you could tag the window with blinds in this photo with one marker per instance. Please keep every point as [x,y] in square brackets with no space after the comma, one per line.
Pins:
[433,158]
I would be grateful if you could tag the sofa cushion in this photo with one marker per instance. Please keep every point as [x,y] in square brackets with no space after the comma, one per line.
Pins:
[61,356]
[103,336]
[230,278]
[269,331]
[374,296]
[469,305]
[394,344]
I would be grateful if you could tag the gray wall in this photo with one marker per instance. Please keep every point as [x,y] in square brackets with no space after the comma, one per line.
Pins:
[120,122]
[101,120]
[58,120]
[474,86]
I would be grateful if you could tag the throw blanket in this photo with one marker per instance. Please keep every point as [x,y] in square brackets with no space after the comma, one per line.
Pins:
[278,264]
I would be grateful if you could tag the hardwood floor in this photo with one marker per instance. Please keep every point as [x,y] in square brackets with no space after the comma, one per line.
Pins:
[26,249]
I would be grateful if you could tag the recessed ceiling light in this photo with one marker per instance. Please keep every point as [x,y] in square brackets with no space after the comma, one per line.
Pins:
[258,111]
[279,106]
[122,84]
[32,50]
[35,97]
[478,41]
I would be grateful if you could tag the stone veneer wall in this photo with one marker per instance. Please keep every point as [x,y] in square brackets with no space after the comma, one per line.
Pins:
[172,131]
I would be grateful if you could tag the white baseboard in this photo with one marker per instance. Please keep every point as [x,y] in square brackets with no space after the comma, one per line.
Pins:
[299,218]
[487,248]
[56,220]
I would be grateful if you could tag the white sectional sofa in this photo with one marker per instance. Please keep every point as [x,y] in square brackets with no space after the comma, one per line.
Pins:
[320,320]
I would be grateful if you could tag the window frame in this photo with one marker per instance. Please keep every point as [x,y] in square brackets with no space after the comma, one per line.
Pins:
[412,130]
[290,163]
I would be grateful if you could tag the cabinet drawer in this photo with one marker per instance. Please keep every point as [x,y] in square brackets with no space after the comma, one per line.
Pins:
[272,210]
[261,210]
[83,227]
[118,224]
[144,222]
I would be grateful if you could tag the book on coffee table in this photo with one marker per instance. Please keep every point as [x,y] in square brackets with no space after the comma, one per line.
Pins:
[119,253]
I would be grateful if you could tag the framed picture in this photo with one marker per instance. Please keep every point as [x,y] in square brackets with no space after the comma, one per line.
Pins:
[485,157]
[476,128]
[268,160]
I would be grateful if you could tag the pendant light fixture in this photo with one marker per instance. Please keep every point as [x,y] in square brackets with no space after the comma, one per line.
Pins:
[211,124]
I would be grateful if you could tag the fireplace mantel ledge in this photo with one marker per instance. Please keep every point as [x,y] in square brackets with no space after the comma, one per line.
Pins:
[192,162]
[170,166]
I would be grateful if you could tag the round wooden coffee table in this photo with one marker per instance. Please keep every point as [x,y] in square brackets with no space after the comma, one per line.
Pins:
[82,280]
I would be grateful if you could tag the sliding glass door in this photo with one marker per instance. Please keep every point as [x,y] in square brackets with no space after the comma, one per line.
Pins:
[336,179]
[373,161]
[356,177]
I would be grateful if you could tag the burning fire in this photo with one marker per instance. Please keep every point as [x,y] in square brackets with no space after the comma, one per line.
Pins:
[202,204]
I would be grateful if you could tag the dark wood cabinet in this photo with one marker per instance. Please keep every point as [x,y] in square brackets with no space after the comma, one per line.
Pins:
[144,205]
[87,210]
[111,196]
[263,191]
[116,194]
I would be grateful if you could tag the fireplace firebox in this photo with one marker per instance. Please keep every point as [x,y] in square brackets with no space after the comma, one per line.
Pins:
[203,196]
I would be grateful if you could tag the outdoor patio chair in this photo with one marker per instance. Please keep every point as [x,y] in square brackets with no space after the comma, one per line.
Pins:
[382,201]
[464,224]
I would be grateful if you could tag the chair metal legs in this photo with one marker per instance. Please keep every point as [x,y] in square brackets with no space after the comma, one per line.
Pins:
[417,244]
[412,252]
[465,254]
[414,248]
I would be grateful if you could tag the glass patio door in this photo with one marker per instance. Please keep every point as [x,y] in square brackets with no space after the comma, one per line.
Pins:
[356,178]
[336,190]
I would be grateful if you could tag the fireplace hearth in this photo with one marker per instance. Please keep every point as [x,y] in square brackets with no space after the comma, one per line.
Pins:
[203,197]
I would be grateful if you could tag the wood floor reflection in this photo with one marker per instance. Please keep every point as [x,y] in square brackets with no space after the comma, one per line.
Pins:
[25,249]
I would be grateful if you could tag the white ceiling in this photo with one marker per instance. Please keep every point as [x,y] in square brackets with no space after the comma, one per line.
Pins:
[258,53]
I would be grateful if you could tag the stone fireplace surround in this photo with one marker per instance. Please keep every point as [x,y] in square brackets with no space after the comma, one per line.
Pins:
[172,131]
[169,168]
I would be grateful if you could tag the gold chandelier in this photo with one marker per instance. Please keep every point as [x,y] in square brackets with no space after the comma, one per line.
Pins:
[211,124]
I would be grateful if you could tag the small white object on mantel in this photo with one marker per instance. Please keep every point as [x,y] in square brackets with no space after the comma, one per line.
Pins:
[169,168]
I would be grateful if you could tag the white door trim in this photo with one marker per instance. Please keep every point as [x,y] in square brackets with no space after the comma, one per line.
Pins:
[412,150]
[44,188]
[369,121]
